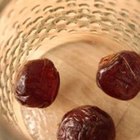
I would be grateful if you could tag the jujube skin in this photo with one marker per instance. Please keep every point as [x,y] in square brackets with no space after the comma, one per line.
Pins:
[86,123]
[118,75]
[37,83]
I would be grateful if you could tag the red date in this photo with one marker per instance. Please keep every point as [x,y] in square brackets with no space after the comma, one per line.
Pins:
[119,75]
[86,123]
[37,83]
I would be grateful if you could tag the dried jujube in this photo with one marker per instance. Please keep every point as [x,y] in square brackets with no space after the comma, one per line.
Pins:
[86,123]
[37,83]
[119,75]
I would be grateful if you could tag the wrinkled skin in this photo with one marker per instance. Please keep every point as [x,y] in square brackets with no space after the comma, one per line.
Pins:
[119,75]
[86,123]
[37,83]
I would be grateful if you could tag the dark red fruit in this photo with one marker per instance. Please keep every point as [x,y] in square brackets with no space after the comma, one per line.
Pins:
[37,83]
[86,123]
[119,75]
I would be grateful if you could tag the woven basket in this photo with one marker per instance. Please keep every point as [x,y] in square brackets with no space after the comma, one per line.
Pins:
[29,29]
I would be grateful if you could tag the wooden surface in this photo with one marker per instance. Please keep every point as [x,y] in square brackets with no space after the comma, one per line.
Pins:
[77,64]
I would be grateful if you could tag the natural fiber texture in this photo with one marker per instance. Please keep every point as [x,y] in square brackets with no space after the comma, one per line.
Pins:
[3,4]
[25,26]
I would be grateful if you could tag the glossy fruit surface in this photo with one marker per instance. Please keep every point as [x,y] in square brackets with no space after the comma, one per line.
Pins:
[37,83]
[119,75]
[86,123]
